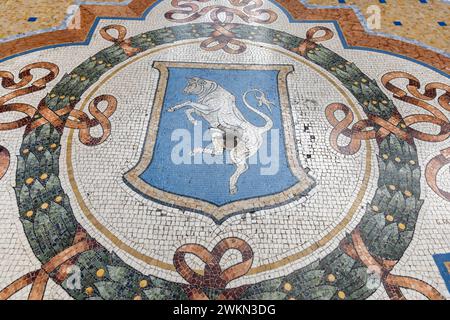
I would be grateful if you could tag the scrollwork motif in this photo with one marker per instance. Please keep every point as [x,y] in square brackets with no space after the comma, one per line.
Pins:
[34,118]
[223,37]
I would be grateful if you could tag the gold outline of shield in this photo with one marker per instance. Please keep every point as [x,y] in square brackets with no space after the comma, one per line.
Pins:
[220,213]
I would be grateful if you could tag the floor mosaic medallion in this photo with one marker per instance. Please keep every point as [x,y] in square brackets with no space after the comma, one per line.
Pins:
[224,150]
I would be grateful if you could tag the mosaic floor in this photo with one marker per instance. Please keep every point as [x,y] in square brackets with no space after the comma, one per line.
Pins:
[228,149]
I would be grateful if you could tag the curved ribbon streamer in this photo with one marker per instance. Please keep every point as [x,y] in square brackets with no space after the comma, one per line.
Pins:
[392,283]
[4,161]
[432,170]
[356,133]
[20,89]
[361,130]
[39,278]
[82,122]
[418,99]
[26,77]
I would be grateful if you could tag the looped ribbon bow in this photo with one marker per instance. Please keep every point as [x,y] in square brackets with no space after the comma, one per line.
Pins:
[25,76]
[437,117]
[378,128]
[222,38]
[312,39]
[8,82]
[251,11]
[83,123]
[214,276]
[67,116]
[401,127]
[120,40]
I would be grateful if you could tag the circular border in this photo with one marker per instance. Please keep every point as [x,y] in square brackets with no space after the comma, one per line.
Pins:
[51,228]
[282,262]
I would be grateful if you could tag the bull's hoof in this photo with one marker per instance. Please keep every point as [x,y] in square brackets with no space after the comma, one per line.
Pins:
[233,190]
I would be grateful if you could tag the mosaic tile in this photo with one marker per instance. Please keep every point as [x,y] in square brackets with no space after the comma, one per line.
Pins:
[231,151]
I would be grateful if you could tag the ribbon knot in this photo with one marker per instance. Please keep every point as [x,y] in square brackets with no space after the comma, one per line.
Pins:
[120,40]
[213,276]
[222,18]
[312,39]
[67,116]
[222,38]
[378,128]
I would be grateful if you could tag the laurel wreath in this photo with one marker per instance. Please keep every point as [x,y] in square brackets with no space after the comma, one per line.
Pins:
[386,228]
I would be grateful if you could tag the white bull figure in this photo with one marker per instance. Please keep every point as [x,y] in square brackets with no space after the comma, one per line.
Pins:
[229,128]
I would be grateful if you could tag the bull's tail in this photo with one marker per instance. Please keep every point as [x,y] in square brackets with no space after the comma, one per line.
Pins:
[262,100]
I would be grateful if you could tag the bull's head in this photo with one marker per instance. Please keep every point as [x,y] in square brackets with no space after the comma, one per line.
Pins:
[197,85]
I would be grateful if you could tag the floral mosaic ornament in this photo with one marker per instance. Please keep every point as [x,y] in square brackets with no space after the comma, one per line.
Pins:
[59,242]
